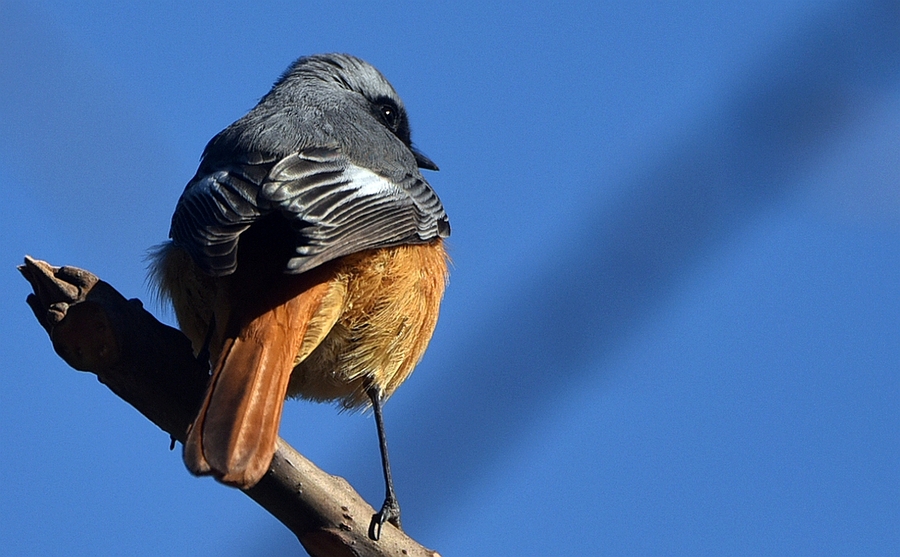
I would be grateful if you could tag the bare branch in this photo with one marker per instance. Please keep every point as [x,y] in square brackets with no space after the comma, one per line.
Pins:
[151,366]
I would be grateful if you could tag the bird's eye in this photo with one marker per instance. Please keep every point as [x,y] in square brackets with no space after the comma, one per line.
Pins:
[390,116]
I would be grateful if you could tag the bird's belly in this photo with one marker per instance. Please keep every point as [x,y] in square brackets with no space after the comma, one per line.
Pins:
[389,313]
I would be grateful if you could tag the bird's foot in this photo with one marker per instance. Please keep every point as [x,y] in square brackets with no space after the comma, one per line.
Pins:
[390,512]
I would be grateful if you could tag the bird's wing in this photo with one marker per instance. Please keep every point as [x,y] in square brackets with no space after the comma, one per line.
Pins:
[335,208]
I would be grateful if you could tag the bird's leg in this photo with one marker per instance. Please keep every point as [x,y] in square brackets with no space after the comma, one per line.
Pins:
[203,358]
[203,355]
[390,510]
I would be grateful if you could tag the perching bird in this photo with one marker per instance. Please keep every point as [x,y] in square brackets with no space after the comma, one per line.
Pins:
[307,257]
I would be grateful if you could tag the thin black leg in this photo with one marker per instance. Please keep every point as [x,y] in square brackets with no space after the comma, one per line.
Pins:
[203,355]
[390,510]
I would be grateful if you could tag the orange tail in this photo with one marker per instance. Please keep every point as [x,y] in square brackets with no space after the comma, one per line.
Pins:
[235,432]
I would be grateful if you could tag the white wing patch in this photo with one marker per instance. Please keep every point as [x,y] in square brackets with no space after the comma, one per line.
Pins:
[367,183]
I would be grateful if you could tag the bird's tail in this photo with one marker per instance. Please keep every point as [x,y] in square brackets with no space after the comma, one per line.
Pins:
[235,432]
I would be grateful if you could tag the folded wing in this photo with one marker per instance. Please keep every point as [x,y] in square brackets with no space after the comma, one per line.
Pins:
[335,208]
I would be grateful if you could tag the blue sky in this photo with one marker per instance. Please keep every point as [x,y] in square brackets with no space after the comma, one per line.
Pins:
[673,323]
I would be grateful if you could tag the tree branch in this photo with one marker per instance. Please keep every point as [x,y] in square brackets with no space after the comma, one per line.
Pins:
[152,367]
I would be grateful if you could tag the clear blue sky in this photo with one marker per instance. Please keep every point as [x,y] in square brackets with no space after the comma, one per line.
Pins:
[673,325]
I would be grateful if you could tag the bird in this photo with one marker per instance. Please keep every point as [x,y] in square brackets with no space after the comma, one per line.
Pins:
[306,258]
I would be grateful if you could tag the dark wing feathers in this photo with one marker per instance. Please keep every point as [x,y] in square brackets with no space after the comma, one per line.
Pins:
[335,208]
[211,214]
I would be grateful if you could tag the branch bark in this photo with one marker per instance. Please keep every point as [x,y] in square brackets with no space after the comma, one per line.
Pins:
[152,367]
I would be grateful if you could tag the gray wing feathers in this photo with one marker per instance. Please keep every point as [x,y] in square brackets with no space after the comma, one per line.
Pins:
[212,212]
[335,208]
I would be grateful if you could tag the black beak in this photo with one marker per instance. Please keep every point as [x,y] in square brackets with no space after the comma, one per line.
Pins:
[424,162]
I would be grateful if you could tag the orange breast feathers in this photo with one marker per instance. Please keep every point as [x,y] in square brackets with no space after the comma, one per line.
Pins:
[361,321]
